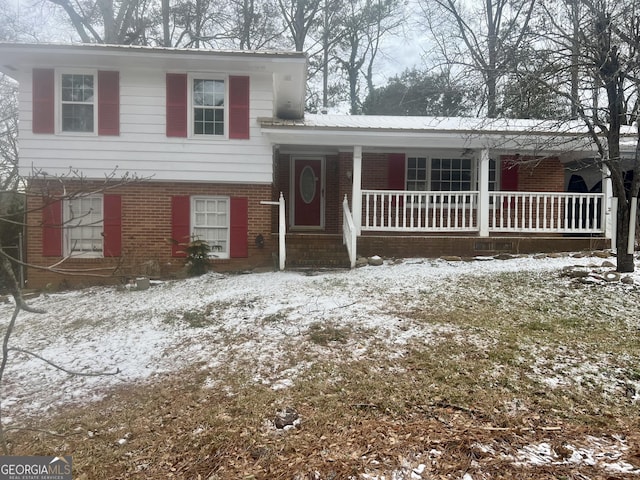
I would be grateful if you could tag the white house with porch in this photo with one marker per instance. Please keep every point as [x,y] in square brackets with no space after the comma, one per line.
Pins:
[129,152]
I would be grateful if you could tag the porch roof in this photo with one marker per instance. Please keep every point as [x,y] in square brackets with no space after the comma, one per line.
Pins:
[537,137]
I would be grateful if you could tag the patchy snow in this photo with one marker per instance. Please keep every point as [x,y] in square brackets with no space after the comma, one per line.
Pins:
[253,322]
[599,452]
[218,320]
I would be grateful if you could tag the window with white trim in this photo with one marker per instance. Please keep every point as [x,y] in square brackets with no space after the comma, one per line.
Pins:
[441,174]
[78,102]
[417,173]
[208,106]
[210,222]
[451,174]
[84,226]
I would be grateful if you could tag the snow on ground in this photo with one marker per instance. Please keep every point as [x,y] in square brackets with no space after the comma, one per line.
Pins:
[218,320]
[244,321]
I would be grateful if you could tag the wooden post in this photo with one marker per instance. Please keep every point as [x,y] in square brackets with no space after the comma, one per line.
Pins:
[483,194]
[356,195]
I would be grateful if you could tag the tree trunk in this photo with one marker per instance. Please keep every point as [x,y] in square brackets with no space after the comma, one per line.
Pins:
[625,263]
[166,29]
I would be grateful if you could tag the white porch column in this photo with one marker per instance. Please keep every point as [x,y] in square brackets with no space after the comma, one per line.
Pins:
[607,206]
[356,193]
[483,194]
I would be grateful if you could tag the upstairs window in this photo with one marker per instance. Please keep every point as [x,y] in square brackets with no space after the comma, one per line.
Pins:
[78,102]
[208,107]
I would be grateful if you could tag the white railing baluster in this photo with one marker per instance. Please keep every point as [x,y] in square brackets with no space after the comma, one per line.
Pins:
[375,211]
[516,212]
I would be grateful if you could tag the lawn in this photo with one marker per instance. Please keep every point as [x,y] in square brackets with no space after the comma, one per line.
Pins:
[417,369]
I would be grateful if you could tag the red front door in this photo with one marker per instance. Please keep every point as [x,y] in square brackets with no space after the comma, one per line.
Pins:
[308,190]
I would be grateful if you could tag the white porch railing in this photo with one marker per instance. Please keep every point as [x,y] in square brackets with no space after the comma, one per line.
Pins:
[509,212]
[349,232]
[537,212]
[419,211]
[282,230]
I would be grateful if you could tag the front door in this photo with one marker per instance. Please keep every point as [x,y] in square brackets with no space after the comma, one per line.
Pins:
[308,188]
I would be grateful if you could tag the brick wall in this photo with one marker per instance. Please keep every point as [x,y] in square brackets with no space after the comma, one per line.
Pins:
[146,230]
[539,174]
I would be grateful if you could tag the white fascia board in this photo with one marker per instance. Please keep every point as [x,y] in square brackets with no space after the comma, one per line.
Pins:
[19,56]
[539,144]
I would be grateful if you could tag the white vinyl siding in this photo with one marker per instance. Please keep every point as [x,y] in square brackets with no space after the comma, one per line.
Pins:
[143,148]
[84,226]
[210,222]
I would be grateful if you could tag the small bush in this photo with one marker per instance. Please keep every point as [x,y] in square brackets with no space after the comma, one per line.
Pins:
[197,256]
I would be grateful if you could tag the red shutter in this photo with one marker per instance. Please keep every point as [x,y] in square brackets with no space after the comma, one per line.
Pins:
[180,224]
[176,105]
[508,175]
[239,107]
[239,235]
[112,225]
[396,171]
[43,101]
[108,103]
[52,229]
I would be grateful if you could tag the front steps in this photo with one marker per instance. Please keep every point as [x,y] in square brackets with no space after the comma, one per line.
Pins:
[313,250]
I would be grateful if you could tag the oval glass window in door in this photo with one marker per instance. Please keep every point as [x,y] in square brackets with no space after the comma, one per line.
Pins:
[307,184]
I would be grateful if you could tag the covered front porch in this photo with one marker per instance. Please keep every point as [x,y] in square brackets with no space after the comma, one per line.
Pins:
[407,194]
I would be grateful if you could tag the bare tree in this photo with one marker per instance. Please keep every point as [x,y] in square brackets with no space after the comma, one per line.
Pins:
[608,58]
[254,25]
[364,25]
[107,21]
[490,34]
[300,17]
[9,179]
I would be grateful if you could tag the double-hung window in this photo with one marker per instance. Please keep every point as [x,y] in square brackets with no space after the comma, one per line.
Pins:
[451,174]
[442,174]
[78,102]
[208,107]
[417,173]
[84,226]
[210,222]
